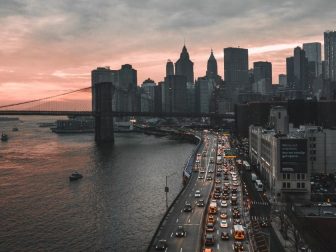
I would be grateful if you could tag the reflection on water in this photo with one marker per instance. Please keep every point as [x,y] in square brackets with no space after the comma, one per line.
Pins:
[115,207]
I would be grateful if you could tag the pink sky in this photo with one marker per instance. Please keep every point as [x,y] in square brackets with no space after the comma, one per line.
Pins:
[50,47]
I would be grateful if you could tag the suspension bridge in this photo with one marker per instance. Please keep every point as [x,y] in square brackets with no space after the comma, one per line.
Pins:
[79,103]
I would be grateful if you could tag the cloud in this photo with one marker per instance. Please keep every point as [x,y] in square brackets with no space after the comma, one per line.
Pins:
[62,41]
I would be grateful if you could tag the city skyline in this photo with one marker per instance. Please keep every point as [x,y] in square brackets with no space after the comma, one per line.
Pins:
[52,47]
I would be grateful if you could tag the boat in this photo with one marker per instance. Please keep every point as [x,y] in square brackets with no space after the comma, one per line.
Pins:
[4,137]
[46,124]
[75,176]
[15,129]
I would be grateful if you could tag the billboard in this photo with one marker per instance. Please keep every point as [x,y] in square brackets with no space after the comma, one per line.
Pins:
[293,155]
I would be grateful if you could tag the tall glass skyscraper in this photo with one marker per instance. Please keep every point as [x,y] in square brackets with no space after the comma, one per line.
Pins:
[330,55]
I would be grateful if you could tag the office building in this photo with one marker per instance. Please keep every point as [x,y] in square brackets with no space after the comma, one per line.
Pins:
[262,77]
[169,68]
[127,89]
[283,80]
[184,66]
[281,158]
[236,68]
[330,55]
[212,71]
[147,95]
[174,94]
[290,72]
[300,69]
[101,75]
[313,54]
[205,87]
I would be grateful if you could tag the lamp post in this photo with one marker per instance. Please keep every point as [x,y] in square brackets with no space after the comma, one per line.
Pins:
[167,188]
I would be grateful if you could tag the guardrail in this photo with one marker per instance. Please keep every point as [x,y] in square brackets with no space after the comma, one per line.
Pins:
[192,157]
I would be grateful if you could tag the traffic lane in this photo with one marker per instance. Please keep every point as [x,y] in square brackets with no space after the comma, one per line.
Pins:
[176,215]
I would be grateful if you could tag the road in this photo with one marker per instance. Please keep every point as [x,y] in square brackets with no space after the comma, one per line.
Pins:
[260,209]
[226,177]
[191,221]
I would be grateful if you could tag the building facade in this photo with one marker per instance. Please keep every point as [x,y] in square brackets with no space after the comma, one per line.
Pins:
[330,55]
[184,66]
[262,74]
[313,54]
[236,68]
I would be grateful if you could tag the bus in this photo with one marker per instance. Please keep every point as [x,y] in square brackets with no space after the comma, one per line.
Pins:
[246,165]
[259,186]
[238,232]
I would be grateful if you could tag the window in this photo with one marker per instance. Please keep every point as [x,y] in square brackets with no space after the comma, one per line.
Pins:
[284,185]
[303,185]
[298,185]
[283,175]
[288,175]
[279,115]
[303,176]
[298,176]
[288,185]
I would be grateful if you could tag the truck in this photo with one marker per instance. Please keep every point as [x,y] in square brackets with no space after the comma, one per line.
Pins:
[254,177]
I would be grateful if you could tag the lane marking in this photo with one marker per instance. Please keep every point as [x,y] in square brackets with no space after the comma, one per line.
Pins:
[181,250]
[171,236]
[176,220]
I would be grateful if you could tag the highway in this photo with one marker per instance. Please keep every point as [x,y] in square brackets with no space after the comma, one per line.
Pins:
[191,221]
[224,172]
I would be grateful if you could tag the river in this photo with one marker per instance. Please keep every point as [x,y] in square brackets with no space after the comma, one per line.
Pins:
[115,207]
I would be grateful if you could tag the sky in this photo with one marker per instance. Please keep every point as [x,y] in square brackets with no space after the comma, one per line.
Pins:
[49,47]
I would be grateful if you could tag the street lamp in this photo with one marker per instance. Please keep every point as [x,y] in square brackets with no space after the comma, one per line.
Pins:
[167,188]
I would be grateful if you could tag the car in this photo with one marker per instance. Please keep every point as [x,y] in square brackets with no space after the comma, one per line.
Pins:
[224,203]
[225,236]
[187,207]
[208,177]
[161,245]
[200,177]
[235,183]
[211,219]
[210,171]
[180,232]
[200,203]
[217,181]
[234,179]
[209,240]
[238,246]
[225,196]
[324,204]
[236,214]
[218,189]
[216,195]
[218,174]
[197,194]
[207,250]
[202,171]
[204,154]
[226,177]
[237,221]
[210,227]
[223,224]
[223,215]
[198,161]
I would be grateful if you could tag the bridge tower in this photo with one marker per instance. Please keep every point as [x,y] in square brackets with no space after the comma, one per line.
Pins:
[102,111]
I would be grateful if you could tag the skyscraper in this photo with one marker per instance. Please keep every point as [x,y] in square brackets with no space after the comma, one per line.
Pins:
[300,69]
[212,67]
[262,72]
[128,88]
[174,94]
[169,68]
[236,68]
[313,54]
[184,66]
[100,75]
[330,55]
[290,72]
